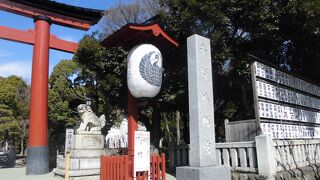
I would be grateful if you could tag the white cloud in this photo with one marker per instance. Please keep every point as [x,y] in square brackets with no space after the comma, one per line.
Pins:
[4,53]
[70,38]
[19,68]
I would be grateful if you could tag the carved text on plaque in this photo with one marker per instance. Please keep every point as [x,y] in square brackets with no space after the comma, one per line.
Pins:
[203,49]
[205,97]
[207,120]
[204,72]
[90,141]
[207,147]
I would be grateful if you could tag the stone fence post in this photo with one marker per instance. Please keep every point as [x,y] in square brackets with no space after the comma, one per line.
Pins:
[265,156]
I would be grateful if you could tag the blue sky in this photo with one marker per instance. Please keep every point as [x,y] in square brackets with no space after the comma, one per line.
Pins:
[16,58]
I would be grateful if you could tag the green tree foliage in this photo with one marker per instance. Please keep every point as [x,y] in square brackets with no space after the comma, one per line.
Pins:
[64,97]
[14,110]
[8,124]
[104,72]
[9,88]
[94,73]
[285,33]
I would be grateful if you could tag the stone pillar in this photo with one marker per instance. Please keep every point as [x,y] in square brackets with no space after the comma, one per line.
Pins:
[265,155]
[202,156]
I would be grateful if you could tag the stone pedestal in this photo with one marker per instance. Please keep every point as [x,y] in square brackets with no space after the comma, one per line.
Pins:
[84,158]
[204,173]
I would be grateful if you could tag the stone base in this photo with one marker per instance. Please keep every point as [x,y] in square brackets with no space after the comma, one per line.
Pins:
[88,141]
[204,173]
[84,158]
[88,172]
[79,178]
[79,163]
[37,160]
[93,174]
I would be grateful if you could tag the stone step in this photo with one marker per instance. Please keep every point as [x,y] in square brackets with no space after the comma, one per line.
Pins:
[79,178]
[79,173]
[79,163]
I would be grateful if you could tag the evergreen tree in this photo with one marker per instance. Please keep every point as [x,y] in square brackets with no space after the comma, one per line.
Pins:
[14,107]
[9,125]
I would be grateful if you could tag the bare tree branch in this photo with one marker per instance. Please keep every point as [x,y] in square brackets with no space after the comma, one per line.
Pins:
[121,14]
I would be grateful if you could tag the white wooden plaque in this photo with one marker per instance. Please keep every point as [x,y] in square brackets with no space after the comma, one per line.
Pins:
[141,151]
[69,140]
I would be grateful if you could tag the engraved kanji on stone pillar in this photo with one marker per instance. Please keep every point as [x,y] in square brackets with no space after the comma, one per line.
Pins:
[202,134]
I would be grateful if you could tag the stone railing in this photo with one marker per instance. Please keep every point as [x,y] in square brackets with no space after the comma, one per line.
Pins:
[263,156]
[291,154]
[284,155]
[240,156]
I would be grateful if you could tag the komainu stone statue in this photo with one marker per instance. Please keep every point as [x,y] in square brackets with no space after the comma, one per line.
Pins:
[87,147]
[89,121]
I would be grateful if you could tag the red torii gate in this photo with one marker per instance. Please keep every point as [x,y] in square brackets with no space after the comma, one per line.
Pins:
[44,13]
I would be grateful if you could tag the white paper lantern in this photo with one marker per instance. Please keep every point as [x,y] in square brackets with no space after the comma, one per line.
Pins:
[144,72]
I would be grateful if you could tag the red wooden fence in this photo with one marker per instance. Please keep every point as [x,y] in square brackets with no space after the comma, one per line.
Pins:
[119,168]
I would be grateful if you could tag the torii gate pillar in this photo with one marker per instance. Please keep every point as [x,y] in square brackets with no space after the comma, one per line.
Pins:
[38,151]
[44,13]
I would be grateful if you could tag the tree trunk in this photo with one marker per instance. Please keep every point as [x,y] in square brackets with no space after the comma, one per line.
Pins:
[244,97]
[167,127]
[178,117]
[21,145]
[155,133]
[22,137]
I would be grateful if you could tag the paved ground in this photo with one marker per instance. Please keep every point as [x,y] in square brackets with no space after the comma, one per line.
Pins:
[170,177]
[19,173]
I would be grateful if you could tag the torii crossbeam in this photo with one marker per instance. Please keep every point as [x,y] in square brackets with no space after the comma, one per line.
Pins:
[44,13]
[29,37]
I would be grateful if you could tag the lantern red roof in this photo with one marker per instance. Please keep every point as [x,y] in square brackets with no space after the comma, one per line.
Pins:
[131,35]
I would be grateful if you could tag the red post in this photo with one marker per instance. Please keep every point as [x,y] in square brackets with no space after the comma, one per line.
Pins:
[158,167]
[119,168]
[153,168]
[122,169]
[109,168]
[38,152]
[163,166]
[126,165]
[132,126]
[103,168]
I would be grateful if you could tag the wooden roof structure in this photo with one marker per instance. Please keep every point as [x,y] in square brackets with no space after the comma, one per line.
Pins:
[59,13]
[131,35]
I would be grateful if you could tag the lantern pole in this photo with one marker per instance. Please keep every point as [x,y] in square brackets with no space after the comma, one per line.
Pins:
[132,126]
